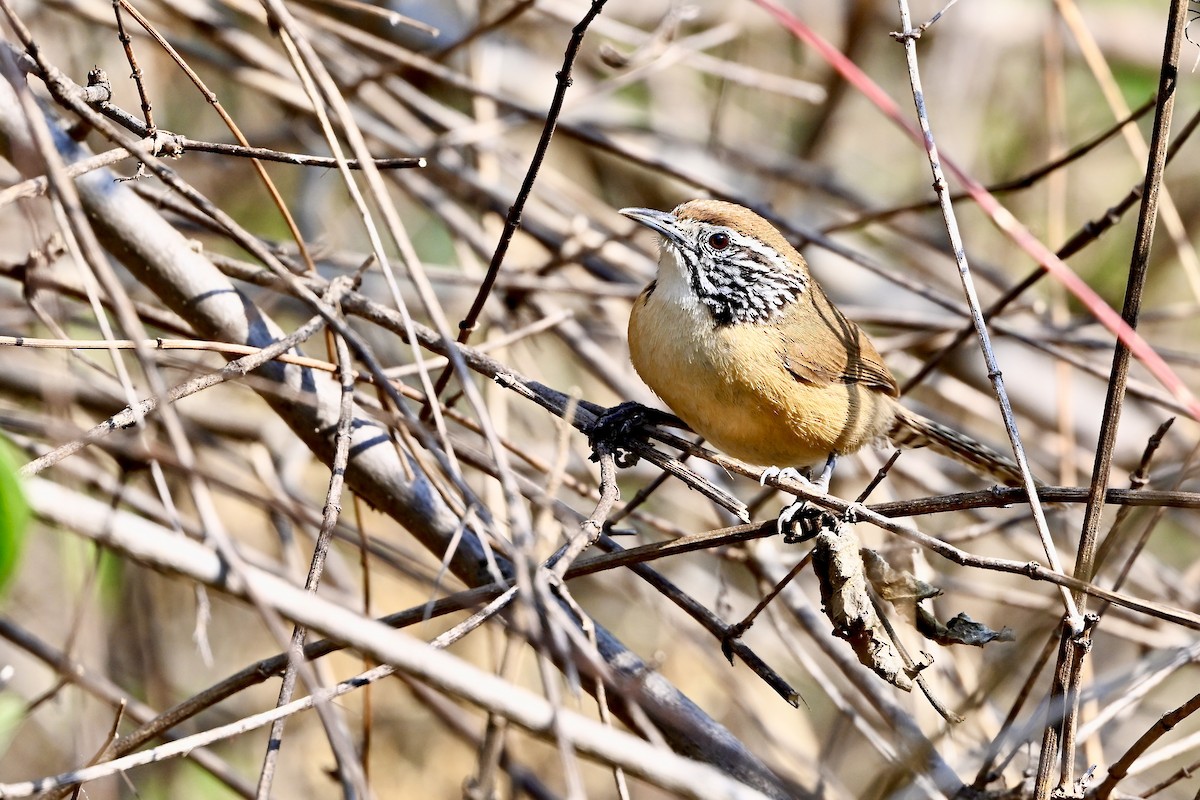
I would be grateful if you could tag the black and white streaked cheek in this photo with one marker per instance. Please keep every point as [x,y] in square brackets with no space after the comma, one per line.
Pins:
[746,282]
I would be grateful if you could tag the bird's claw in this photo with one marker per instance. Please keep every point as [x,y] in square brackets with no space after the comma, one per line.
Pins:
[801,521]
[796,515]
[787,473]
[628,422]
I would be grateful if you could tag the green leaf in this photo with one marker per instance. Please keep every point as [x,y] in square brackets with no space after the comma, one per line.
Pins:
[14,515]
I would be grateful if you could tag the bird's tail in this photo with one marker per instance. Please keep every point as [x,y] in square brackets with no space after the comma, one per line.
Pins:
[913,430]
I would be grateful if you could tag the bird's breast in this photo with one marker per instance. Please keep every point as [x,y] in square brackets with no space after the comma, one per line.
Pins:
[730,384]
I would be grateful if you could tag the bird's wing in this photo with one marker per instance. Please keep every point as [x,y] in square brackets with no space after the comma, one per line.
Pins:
[821,347]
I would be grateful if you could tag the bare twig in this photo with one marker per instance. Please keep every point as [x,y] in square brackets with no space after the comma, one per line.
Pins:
[467,325]
[1073,652]
[329,518]
[1075,622]
[1165,725]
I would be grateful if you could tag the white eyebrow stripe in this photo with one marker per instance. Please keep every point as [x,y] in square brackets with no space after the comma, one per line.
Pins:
[746,281]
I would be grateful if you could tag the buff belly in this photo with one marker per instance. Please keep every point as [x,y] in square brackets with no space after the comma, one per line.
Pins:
[731,386]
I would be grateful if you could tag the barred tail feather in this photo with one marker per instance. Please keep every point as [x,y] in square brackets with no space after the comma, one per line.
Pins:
[911,430]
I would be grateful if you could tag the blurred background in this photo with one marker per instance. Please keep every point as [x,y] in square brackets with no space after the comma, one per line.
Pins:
[1049,103]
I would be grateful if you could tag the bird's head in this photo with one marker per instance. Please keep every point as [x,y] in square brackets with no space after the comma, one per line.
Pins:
[730,259]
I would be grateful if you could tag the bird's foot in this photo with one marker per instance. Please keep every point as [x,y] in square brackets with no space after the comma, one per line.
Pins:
[801,520]
[618,426]
[787,473]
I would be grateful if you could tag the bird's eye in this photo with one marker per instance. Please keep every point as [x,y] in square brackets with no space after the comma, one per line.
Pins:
[718,241]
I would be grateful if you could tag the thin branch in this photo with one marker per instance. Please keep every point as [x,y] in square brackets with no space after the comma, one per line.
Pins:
[1115,396]
[234,369]
[907,36]
[513,220]
[76,673]
[329,519]
[1089,232]
[1025,181]
[1122,765]
[127,43]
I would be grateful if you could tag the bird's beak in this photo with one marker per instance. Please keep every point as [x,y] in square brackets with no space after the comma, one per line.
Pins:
[662,221]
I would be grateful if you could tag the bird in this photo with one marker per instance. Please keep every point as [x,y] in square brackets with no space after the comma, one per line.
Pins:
[736,336]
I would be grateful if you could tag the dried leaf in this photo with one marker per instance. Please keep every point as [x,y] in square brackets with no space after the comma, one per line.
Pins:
[839,569]
[895,584]
[960,630]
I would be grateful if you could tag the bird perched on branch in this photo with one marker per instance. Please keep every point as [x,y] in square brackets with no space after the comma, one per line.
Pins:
[740,341]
